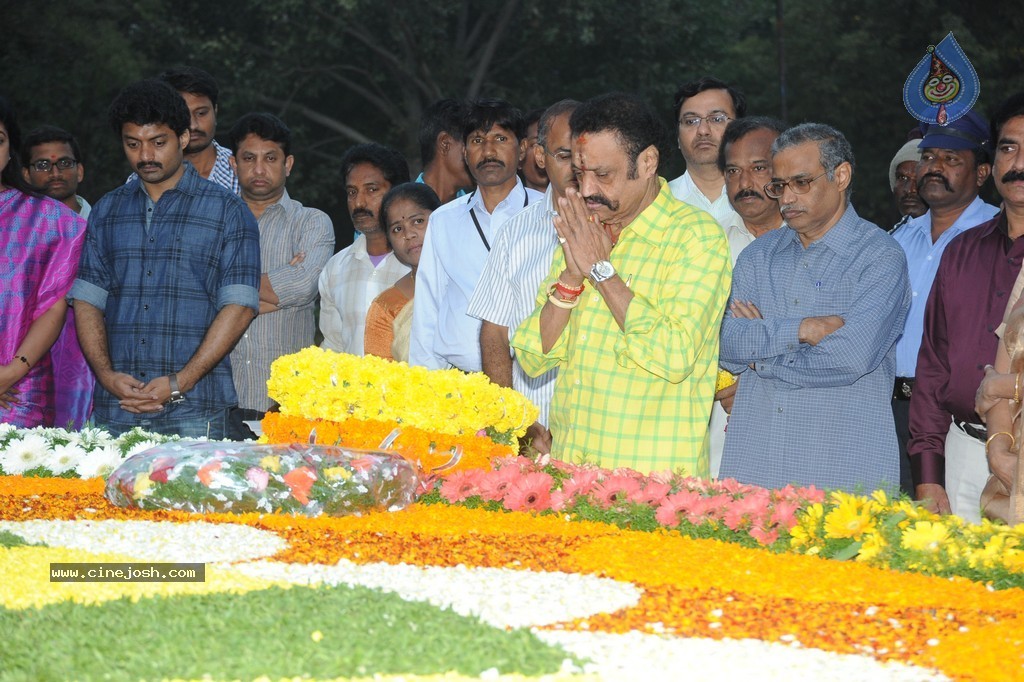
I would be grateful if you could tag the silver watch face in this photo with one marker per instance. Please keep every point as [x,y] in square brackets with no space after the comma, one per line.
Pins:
[601,271]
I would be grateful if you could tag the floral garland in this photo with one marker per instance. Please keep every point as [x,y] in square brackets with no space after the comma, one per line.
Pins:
[430,451]
[320,384]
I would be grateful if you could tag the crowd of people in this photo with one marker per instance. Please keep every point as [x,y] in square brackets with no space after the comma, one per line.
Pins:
[741,320]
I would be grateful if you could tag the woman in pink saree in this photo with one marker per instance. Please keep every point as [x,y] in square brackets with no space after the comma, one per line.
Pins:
[40,243]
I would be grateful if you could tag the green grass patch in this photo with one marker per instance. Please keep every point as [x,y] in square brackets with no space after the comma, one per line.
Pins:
[9,539]
[268,632]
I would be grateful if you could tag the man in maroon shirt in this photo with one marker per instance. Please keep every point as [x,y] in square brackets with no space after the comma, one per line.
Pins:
[966,304]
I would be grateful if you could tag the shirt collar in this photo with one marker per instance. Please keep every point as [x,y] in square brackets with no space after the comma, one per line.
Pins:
[187,183]
[517,194]
[649,225]
[841,237]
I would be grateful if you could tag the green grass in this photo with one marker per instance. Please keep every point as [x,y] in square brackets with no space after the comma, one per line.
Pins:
[9,539]
[267,632]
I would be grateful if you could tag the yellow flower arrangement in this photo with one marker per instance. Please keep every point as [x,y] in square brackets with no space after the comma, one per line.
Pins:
[320,384]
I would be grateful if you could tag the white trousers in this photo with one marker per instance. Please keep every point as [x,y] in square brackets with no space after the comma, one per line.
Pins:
[716,436]
[966,473]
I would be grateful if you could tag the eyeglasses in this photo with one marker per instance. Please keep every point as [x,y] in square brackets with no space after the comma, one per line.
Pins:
[714,120]
[562,156]
[44,165]
[798,185]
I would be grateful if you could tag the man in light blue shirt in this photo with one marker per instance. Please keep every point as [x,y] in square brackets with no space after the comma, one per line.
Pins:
[815,312]
[460,236]
[953,167]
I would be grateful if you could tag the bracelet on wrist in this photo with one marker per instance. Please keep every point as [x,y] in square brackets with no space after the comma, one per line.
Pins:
[1013,441]
[559,293]
[25,360]
[1016,389]
[560,303]
[566,289]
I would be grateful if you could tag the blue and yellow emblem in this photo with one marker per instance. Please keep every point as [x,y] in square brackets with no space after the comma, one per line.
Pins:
[943,86]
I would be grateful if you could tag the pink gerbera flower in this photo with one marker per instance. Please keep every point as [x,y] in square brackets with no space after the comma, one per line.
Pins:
[784,513]
[462,485]
[530,492]
[765,537]
[652,494]
[494,484]
[614,490]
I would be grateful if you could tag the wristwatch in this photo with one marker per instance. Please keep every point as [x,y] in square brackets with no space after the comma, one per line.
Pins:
[601,271]
[176,395]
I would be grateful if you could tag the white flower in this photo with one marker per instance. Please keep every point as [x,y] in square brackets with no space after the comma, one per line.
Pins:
[100,462]
[63,458]
[141,446]
[24,454]
[5,427]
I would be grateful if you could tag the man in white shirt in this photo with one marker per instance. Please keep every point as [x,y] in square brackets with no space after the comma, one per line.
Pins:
[702,110]
[745,159]
[358,273]
[460,236]
[520,260]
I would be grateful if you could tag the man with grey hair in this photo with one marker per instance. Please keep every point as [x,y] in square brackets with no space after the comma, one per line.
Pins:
[811,328]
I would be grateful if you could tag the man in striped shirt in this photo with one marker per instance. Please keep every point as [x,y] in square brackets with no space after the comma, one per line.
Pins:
[519,260]
[295,244]
[200,92]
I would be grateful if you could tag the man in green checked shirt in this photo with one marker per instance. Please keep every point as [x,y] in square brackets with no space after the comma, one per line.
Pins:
[631,310]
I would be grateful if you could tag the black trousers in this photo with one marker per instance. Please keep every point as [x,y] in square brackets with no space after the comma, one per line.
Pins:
[901,415]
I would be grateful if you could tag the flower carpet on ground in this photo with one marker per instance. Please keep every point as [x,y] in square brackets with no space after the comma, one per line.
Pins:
[447,591]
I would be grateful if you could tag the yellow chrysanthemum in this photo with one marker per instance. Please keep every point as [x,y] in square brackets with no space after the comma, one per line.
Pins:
[873,550]
[926,536]
[851,519]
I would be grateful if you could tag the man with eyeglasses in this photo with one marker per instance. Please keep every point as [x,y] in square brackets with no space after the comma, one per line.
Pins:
[811,329]
[519,261]
[951,168]
[52,164]
[703,108]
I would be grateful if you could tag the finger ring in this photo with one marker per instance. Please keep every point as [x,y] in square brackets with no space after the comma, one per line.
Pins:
[561,240]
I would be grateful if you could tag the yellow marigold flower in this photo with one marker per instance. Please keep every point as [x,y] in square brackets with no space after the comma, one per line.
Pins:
[925,536]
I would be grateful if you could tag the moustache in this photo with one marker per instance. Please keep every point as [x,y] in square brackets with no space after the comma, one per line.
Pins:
[600,199]
[744,193]
[940,176]
[362,212]
[1013,176]
[487,161]
[149,164]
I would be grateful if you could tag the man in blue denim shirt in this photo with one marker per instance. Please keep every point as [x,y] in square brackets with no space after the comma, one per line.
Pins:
[168,280]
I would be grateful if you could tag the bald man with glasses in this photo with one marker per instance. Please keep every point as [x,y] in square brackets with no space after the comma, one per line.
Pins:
[815,312]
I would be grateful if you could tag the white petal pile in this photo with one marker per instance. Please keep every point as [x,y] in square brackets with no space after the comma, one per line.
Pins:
[152,540]
[498,596]
[636,656]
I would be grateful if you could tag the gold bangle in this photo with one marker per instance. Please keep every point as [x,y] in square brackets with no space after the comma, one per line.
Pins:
[1016,390]
[1013,441]
[564,305]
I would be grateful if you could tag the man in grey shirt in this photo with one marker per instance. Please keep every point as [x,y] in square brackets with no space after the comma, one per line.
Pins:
[295,243]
